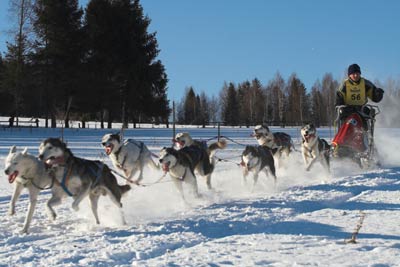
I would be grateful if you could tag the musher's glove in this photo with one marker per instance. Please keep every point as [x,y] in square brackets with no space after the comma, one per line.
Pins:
[378,94]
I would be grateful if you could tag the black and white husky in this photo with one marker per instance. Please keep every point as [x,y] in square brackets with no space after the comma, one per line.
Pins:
[314,148]
[256,159]
[78,178]
[280,143]
[27,172]
[180,166]
[201,155]
[129,156]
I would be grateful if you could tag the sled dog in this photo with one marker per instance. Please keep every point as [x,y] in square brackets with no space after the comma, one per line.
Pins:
[280,143]
[180,167]
[256,159]
[200,155]
[27,172]
[314,148]
[78,177]
[129,156]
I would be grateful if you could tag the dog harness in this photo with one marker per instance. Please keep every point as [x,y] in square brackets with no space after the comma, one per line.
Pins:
[65,179]
[35,185]
[68,171]
[131,141]
[322,146]
[180,178]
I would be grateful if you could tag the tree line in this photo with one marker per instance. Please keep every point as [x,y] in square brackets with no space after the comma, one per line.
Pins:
[279,103]
[99,64]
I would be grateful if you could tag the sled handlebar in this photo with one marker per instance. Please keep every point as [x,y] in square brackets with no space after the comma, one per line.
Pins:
[371,107]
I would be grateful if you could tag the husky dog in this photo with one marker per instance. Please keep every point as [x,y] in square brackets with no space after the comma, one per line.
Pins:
[201,156]
[280,143]
[257,159]
[180,167]
[129,156]
[78,177]
[313,147]
[27,172]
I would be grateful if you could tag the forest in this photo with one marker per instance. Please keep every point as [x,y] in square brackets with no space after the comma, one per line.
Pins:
[101,64]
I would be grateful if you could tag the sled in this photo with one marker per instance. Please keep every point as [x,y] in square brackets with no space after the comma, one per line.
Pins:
[355,136]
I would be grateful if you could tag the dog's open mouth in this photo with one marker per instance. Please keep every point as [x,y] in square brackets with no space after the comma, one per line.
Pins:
[308,136]
[50,161]
[108,148]
[180,143]
[12,176]
[257,136]
[165,166]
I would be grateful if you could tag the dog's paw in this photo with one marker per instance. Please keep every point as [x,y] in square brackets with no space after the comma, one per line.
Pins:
[24,231]
[75,207]
[11,212]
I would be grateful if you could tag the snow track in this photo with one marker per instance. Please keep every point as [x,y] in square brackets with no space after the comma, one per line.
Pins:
[303,221]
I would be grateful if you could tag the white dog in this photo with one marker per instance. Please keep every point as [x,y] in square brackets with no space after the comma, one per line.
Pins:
[180,167]
[129,156]
[314,148]
[27,172]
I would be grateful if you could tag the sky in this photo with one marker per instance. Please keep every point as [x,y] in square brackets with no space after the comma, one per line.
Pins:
[206,43]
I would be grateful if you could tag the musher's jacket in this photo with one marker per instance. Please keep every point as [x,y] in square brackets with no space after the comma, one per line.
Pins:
[352,93]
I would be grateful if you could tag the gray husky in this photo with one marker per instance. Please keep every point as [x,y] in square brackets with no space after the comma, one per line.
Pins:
[129,156]
[201,155]
[180,167]
[314,148]
[256,159]
[27,172]
[79,177]
[280,143]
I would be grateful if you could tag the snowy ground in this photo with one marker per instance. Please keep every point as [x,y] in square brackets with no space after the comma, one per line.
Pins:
[304,221]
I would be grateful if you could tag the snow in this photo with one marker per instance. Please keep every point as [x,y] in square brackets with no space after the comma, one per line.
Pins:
[303,221]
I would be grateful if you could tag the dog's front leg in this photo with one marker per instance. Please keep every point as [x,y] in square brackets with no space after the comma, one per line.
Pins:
[310,164]
[245,174]
[208,181]
[17,192]
[53,201]
[33,193]
[78,198]
[178,184]
[255,179]
[305,157]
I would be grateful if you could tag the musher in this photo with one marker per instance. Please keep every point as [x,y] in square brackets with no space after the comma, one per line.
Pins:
[354,93]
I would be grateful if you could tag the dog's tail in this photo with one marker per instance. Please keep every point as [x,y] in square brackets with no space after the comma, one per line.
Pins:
[217,145]
[153,165]
[124,188]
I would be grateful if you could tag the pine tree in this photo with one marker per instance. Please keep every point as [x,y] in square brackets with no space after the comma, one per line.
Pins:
[230,105]
[189,107]
[58,54]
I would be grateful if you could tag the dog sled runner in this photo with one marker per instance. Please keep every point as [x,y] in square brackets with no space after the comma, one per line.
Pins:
[355,136]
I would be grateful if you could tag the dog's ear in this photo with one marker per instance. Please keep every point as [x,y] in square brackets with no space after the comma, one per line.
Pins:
[312,125]
[13,149]
[118,136]
[25,151]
